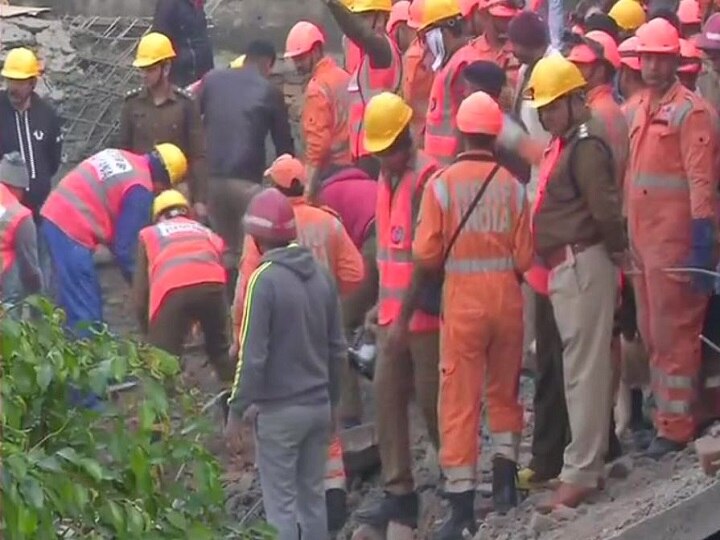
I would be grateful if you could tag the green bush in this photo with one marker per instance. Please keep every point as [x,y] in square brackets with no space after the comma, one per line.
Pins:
[135,470]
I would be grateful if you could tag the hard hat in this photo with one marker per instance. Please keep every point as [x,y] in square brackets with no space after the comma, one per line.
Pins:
[21,64]
[467,6]
[709,38]
[270,217]
[386,116]
[363,6]
[689,12]
[658,36]
[400,14]
[284,170]
[434,11]
[504,9]
[479,114]
[553,77]
[628,53]
[628,14]
[691,57]
[347,3]
[153,48]
[415,12]
[238,62]
[174,160]
[609,47]
[302,38]
[170,198]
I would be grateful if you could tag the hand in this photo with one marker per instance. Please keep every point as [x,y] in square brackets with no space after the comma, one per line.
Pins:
[233,433]
[396,339]
[371,320]
[201,212]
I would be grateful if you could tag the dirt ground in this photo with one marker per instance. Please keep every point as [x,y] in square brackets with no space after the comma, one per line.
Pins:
[635,490]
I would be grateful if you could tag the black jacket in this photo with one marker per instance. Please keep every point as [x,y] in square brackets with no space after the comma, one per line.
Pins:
[184,22]
[36,134]
[240,107]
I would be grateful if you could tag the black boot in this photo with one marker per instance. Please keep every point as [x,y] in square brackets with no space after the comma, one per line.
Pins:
[336,505]
[504,485]
[660,446]
[402,509]
[460,519]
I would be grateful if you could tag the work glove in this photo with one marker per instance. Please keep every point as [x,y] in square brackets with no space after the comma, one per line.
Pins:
[701,254]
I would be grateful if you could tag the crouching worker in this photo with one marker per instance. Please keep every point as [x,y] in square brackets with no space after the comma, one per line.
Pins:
[292,347]
[20,273]
[179,279]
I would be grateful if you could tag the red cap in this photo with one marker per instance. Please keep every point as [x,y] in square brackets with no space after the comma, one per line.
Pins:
[628,53]
[270,217]
[284,170]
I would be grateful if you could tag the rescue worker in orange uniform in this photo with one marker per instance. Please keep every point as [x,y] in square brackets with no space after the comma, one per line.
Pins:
[179,279]
[324,121]
[379,68]
[107,199]
[629,77]
[474,226]
[417,76]
[398,27]
[407,338]
[596,56]
[20,273]
[672,220]
[441,26]
[688,12]
[690,64]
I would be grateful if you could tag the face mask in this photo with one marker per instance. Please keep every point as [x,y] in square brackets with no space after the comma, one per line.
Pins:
[435,43]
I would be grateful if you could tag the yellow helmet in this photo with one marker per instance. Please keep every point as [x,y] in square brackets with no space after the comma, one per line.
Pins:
[553,77]
[386,116]
[361,6]
[21,64]
[628,14]
[238,62]
[434,11]
[153,48]
[348,4]
[170,198]
[174,160]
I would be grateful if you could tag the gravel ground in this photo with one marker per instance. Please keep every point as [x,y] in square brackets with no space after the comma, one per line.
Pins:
[636,489]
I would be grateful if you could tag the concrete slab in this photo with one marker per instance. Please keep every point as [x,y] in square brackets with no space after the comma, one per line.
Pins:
[16,11]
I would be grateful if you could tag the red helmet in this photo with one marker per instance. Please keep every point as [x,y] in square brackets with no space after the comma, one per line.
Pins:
[658,36]
[628,53]
[270,217]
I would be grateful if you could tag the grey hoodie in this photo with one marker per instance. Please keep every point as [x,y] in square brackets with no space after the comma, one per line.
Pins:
[292,343]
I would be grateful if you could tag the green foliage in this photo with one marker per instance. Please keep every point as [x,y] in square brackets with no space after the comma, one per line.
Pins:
[135,470]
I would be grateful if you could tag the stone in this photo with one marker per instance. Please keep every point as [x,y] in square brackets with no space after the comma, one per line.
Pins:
[708,452]
[541,523]
[13,36]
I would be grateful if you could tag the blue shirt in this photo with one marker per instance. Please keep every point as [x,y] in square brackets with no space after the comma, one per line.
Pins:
[134,215]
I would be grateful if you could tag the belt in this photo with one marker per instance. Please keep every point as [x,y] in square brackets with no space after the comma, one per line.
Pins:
[559,255]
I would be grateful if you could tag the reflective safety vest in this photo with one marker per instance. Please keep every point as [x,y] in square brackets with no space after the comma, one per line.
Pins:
[365,83]
[181,252]
[442,139]
[417,84]
[394,223]
[334,466]
[88,200]
[352,55]
[12,213]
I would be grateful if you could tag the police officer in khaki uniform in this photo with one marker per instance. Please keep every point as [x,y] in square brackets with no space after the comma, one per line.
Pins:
[161,112]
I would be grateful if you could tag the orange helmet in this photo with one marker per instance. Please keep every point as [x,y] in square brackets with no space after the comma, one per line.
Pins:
[691,57]
[467,6]
[609,47]
[504,9]
[284,170]
[302,38]
[479,114]
[658,36]
[689,12]
[400,14]
[628,53]
[270,217]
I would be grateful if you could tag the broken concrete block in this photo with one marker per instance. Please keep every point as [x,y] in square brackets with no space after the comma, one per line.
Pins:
[541,523]
[13,36]
[708,451]
[564,513]
[31,24]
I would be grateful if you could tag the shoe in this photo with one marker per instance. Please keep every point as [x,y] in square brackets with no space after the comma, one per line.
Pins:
[461,518]
[660,446]
[570,495]
[336,505]
[642,438]
[504,485]
[402,509]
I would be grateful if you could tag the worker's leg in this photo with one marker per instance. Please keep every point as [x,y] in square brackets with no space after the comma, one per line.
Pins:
[311,510]
[710,399]
[583,293]
[551,431]
[45,263]
[528,328]
[171,323]
[677,315]
[425,351]
[78,287]
[210,308]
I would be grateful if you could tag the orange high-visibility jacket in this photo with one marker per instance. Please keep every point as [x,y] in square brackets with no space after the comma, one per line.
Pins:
[325,116]
[87,201]
[365,83]
[442,139]
[181,252]
[395,222]
[12,213]
[351,55]
[417,84]
[603,106]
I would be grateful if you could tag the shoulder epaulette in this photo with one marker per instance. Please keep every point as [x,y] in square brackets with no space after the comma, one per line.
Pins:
[134,92]
[583,131]
[184,93]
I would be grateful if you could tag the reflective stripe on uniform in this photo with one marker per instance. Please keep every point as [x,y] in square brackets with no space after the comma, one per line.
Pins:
[195,258]
[459,479]
[672,382]
[393,255]
[672,406]
[468,266]
[661,181]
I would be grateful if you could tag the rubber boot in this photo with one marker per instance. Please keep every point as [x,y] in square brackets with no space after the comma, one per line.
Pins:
[336,505]
[504,485]
[460,519]
[402,509]
[660,446]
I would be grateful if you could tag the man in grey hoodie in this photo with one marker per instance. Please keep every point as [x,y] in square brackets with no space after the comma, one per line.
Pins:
[292,347]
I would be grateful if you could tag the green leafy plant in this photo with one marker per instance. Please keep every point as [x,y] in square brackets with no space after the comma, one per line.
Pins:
[137,469]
